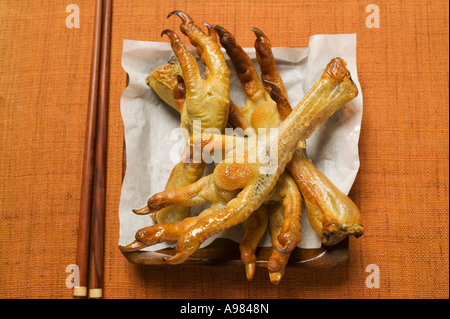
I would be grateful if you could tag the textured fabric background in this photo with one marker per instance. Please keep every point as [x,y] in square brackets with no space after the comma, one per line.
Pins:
[401,189]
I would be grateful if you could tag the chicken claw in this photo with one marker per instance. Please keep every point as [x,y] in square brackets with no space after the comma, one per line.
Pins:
[202,101]
[254,229]
[277,261]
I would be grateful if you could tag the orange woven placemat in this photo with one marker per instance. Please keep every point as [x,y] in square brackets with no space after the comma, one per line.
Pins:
[401,189]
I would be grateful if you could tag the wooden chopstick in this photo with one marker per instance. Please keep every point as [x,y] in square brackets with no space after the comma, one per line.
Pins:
[90,245]
[99,186]
[84,225]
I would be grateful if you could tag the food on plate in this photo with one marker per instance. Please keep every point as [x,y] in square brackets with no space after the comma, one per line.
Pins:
[257,193]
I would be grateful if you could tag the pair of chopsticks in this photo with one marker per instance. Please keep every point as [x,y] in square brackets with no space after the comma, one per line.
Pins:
[91,228]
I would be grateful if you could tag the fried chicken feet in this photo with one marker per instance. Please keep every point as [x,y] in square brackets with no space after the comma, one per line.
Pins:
[249,180]
[257,194]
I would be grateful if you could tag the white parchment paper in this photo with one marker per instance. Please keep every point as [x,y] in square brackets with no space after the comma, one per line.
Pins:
[148,123]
